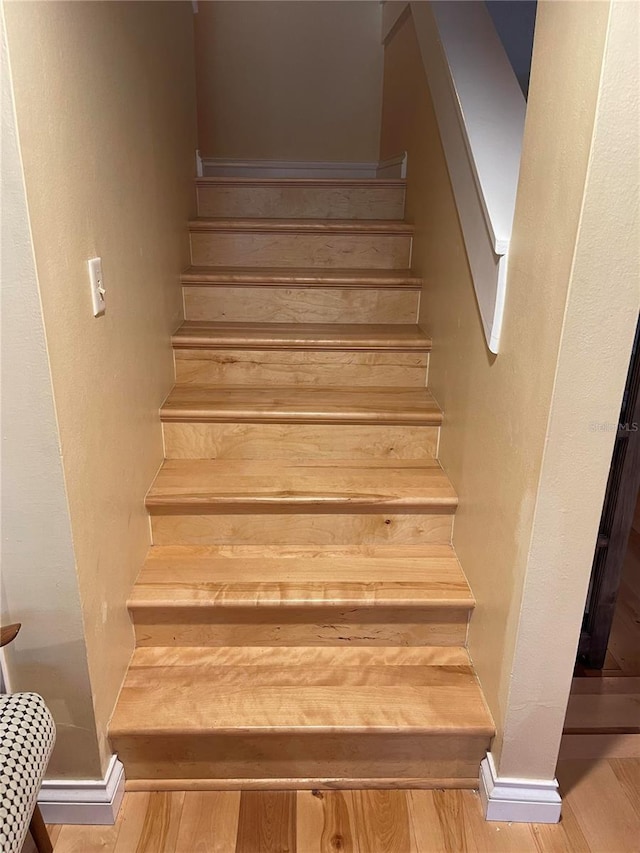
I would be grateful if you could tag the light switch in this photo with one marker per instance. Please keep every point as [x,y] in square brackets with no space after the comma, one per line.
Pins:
[97,286]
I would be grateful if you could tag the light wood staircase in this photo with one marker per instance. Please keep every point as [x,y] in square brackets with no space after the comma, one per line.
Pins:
[301,618]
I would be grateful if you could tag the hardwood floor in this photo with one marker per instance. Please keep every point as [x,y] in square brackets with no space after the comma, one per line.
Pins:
[601,814]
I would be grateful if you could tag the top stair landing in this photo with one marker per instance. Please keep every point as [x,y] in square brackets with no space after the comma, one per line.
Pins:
[301,198]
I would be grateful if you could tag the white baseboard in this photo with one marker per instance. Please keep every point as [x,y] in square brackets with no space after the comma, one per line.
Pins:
[214,167]
[518,800]
[84,801]
[393,167]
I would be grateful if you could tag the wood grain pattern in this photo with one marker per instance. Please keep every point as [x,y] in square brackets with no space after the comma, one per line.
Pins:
[300,626]
[560,837]
[228,485]
[298,441]
[305,336]
[605,814]
[383,821]
[296,248]
[200,691]
[326,822]
[451,816]
[300,528]
[285,762]
[594,820]
[311,200]
[300,404]
[253,225]
[257,367]
[199,596]
[209,822]
[309,277]
[300,305]
[88,839]
[300,783]
[267,822]
[436,820]
[159,830]
[388,577]
[321,715]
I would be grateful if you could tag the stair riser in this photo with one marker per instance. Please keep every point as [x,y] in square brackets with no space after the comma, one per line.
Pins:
[272,249]
[302,529]
[300,305]
[300,367]
[274,202]
[297,626]
[298,441]
[424,759]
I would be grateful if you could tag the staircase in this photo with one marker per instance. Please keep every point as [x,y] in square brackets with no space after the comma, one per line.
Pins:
[301,617]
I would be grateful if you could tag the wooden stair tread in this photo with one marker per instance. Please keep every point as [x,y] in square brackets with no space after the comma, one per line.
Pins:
[301,277]
[310,336]
[276,690]
[301,404]
[302,182]
[201,576]
[302,226]
[315,485]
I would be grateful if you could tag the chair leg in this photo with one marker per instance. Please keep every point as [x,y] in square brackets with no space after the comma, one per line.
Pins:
[39,833]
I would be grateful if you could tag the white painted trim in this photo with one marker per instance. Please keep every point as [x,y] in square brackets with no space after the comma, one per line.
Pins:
[518,800]
[393,167]
[84,801]
[199,165]
[480,111]
[214,167]
[491,109]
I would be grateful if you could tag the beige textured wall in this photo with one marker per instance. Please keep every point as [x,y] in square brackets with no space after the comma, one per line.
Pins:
[38,582]
[289,80]
[601,311]
[524,531]
[105,98]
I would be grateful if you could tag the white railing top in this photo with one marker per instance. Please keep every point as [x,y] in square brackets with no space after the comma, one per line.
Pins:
[491,106]
[480,110]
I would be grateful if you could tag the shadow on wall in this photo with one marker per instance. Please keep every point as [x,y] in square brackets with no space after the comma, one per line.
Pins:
[515,22]
[65,696]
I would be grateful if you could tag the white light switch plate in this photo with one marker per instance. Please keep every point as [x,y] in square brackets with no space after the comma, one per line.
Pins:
[97,286]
